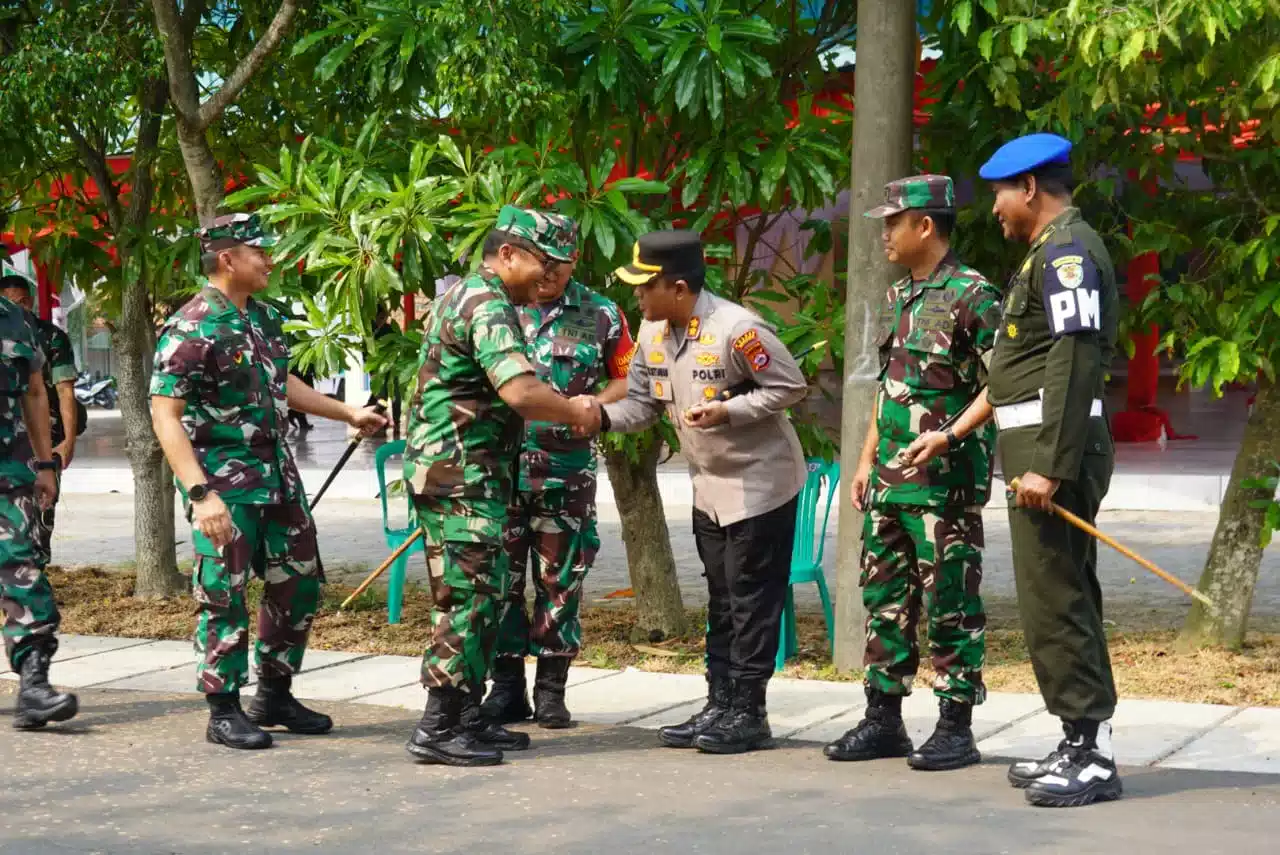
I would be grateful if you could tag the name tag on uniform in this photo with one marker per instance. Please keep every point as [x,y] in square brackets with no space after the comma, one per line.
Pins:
[934,313]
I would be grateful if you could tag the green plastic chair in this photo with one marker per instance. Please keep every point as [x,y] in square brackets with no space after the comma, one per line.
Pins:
[395,536]
[806,554]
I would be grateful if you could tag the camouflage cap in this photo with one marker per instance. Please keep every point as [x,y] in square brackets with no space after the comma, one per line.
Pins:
[234,229]
[918,191]
[554,234]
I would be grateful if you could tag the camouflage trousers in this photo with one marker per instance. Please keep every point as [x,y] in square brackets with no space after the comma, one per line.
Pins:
[553,530]
[26,597]
[930,558]
[464,563]
[278,544]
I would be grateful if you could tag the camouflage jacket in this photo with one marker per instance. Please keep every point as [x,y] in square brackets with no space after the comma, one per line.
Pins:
[20,357]
[933,337]
[573,344]
[463,440]
[59,366]
[232,368]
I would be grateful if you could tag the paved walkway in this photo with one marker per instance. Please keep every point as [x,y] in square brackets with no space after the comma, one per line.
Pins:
[1157,734]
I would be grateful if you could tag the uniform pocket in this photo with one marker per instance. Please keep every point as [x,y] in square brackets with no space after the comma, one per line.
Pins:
[210,582]
[1015,304]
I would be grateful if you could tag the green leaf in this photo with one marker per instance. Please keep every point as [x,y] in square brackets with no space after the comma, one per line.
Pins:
[306,42]
[963,15]
[687,84]
[771,174]
[1261,259]
[715,98]
[326,67]
[1228,362]
[1133,48]
[993,9]
[639,185]
[676,52]
[715,38]
[606,239]
[1018,39]
[607,70]
[407,43]
[731,63]
[1267,74]
[985,43]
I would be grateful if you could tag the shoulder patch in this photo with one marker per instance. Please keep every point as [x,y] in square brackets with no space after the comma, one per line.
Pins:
[1072,294]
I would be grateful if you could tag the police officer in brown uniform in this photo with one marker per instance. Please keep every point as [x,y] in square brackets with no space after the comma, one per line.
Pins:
[746,463]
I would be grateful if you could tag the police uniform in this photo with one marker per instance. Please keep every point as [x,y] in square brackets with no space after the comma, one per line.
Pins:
[1047,381]
[923,538]
[746,474]
[26,599]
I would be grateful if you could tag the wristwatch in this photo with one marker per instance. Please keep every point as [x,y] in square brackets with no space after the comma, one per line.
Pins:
[952,442]
[198,492]
[605,424]
[46,466]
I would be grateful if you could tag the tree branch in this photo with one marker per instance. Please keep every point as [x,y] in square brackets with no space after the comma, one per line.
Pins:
[212,109]
[183,90]
[96,162]
[153,97]
[191,15]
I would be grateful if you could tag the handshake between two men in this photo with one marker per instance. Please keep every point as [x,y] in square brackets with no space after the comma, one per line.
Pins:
[593,419]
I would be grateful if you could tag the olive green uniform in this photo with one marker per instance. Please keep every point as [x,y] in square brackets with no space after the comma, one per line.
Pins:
[1047,378]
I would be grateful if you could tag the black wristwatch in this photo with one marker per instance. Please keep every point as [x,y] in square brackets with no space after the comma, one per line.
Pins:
[952,442]
[605,424]
[198,492]
[46,466]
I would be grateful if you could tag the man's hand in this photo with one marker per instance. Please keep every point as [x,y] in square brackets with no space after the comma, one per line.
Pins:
[1036,491]
[46,489]
[366,421]
[925,447]
[706,415]
[589,422]
[858,489]
[65,451]
[213,520]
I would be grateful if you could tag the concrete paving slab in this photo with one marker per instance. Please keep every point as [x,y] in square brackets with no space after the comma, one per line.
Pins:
[181,679]
[793,706]
[360,677]
[1143,731]
[1247,742]
[920,710]
[72,646]
[633,695]
[577,675]
[412,697]
[318,660]
[112,665]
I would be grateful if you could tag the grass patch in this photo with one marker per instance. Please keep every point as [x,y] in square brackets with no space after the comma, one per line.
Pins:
[1146,663]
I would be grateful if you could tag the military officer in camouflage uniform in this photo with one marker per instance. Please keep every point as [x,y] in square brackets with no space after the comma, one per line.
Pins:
[579,344]
[747,468]
[922,542]
[1057,337]
[65,416]
[221,393]
[475,384]
[26,487]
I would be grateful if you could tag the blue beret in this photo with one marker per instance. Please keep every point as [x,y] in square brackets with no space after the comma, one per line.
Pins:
[1025,154]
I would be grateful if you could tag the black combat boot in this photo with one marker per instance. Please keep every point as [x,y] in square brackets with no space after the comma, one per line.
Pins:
[485,729]
[1084,771]
[440,738]
[745,727]
[38,703]
[548,692]
[880,734]
[229,726]
[952,745]
[274,706]
[719,698]
[508,700]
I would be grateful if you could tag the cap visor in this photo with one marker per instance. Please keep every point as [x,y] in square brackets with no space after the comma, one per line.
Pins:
[883,211]
[633,276]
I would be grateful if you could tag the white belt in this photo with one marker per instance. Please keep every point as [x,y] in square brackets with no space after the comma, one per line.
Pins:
[1032,413]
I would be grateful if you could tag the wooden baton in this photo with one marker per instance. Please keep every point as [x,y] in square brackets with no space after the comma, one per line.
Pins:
[391,559]
[1085,527]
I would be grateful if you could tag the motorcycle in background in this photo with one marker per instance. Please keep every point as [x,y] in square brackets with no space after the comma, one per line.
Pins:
[97,393]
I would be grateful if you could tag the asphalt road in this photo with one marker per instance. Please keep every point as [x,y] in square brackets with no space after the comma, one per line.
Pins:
[133,775]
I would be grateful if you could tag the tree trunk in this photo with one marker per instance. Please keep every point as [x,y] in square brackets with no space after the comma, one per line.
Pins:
[659,609]
[881,153]
[134,340]
[1231,572]
[202,171]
